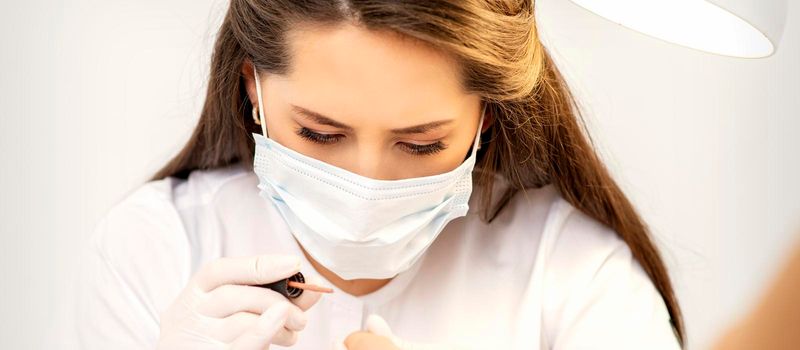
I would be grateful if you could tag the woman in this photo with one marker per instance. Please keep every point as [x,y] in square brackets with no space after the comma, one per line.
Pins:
[343,139]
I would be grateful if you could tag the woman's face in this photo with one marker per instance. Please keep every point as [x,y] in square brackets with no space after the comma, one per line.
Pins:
[373,103]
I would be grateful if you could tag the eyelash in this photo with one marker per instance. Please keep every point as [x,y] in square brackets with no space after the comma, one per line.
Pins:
[317,137]
[419,150]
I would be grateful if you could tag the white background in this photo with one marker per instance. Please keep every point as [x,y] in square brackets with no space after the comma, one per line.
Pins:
[96,95]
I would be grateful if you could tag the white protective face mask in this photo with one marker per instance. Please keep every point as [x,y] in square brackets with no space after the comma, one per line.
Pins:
[355,226]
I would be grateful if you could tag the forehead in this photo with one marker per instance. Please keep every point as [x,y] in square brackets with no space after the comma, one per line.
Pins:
[379,70]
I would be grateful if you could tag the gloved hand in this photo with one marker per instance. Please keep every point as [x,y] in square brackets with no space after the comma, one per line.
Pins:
[221,309]
[379,336]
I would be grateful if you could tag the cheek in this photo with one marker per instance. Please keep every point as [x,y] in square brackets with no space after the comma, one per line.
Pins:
[435,164]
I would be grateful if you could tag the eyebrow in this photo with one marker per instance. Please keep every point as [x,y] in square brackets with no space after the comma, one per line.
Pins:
[321,119]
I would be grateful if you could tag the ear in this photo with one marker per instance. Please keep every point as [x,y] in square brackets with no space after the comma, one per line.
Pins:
[249,81]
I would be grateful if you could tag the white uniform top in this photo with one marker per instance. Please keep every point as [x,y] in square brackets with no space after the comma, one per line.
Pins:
[542,274]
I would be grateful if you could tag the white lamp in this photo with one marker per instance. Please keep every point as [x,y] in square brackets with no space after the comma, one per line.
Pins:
[738,28]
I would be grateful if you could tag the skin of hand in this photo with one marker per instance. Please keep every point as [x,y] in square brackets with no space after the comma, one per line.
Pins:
[774,321]
[379,336]
[220,308]
[363,340]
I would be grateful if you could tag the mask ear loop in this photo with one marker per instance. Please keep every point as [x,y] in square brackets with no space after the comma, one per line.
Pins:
[260,102]
[477,143]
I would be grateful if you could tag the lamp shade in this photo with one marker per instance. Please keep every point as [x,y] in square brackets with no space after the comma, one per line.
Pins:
[738,28]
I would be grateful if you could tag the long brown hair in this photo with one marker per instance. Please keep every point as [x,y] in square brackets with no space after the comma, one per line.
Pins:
[536,138]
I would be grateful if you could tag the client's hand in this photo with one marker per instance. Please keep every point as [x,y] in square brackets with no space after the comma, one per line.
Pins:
[378,336]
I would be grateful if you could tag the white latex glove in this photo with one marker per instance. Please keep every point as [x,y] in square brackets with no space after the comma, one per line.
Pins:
[220,309]
[378,326]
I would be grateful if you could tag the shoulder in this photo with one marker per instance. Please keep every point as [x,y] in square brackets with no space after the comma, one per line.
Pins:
[574,243]
[597,292]
[574,247]
[571,239]
[137,260]
[578,242]
[203,186]
[568,242]
[143,240]
[150,213]
[591,291]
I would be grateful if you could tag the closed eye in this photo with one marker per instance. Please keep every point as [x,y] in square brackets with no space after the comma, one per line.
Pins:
[329,139]
[428,149]
[317,137]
